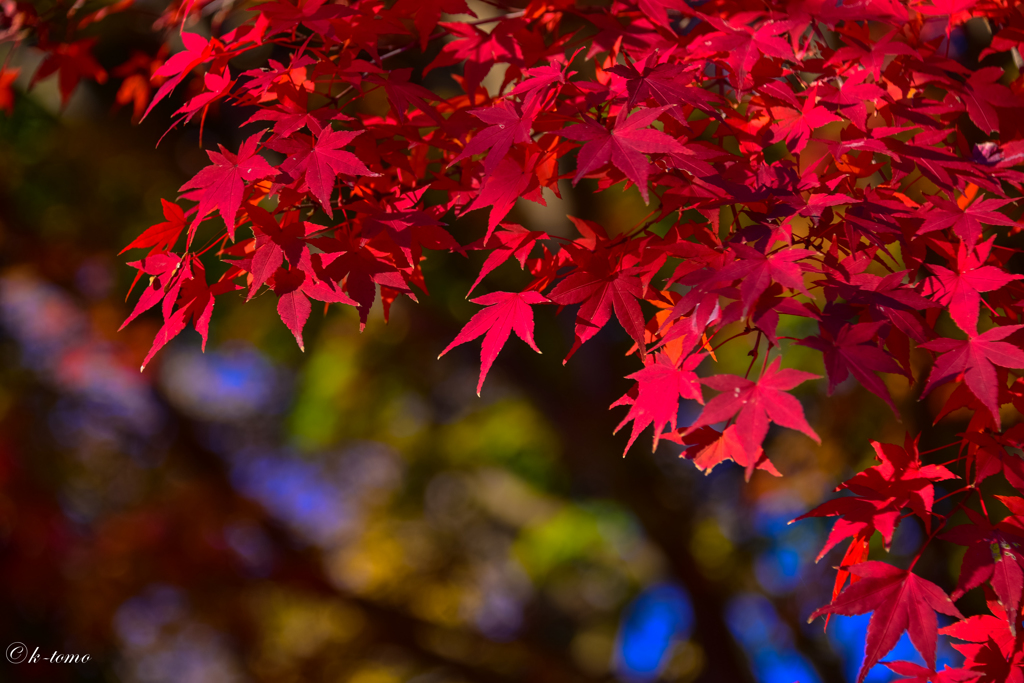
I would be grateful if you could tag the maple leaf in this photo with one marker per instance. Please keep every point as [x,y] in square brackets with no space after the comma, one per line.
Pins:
[290,240]
[7,78]
[410,231]
[757,271]
[990,557]
[966,221]
[755,403]
[852,351]
[959,291]
[220,185]
[541,77]
[294,287]
[888,297]
[427,13]
[794,126]
[991,650]
[600,292]
[284,16]
[197,51]
[707,448]
[981,92]
[506,312]
[974,361]
[289,89]
[514,241]
[162,269]
[507,128]
[502,188]
[881,492]
[919,674]
[135,90]
[161,236]
[659,387]
[71,62]
[852,96]
[657,10]
[320,162]
[899,601]
[623,146]
[668,84]
[194,300]
[363,269]
[292,305]
[867,53]
[402,94]
[744,45]
[479,50]
[217,86]
[943,8]
[989,453]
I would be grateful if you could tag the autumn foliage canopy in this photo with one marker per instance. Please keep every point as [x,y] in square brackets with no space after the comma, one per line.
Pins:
[844,163]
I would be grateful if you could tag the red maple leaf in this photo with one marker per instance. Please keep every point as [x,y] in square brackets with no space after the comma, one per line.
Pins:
[667,84]
[755,403]
[757,271]
[220,185]
[194,300]
[708,447]
[479,50]
[623,146]
[363,269]
[162,269]
[197,51]
[852,350]
[216,87]
[852,97]
[294,287]
[600,290]
[410,231]
[991,650]
[426,14]
[507,312]
[867,53]
[915,673]
[290,240]
[541,77]
[7,78]
[507,128]
[990,557]
[161,236]
[899,601]
[794,126]
[402,94]
[285,16]
[966,221]
[655,399]
[981,92]
[320,162]
[509,181]
[744,45]
[513,241]
[974,361]
[71,62]
[881,492]
[960,290]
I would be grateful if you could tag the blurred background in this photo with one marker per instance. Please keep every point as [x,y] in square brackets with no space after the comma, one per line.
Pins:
[355,513]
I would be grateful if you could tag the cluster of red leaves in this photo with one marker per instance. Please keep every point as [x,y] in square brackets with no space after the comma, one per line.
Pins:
[717,113]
